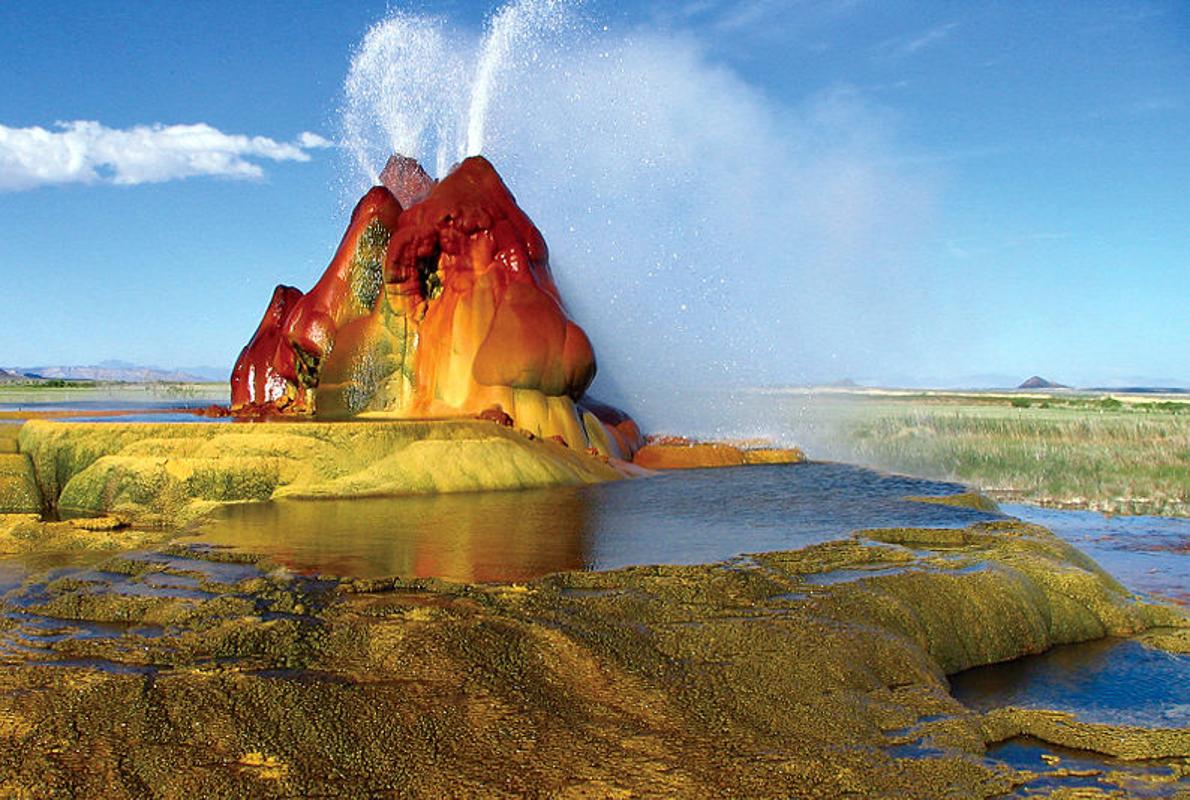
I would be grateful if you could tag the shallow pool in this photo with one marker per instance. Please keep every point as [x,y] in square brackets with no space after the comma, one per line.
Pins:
[689,517]
[1116,681]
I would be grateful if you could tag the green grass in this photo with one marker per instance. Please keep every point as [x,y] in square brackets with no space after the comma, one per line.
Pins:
[1101,453]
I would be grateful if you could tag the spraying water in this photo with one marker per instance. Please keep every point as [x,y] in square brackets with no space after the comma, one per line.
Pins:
[416,89]
[517,28]
[707,236]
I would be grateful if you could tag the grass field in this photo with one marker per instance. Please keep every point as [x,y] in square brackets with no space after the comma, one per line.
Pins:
[1118,454]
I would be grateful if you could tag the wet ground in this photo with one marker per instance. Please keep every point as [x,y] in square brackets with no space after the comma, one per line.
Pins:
[1082,773]
[791,669]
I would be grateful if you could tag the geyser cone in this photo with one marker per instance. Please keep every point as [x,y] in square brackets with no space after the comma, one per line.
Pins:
[439,302]
[406,179]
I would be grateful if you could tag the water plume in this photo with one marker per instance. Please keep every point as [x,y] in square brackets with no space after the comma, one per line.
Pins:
[706,234]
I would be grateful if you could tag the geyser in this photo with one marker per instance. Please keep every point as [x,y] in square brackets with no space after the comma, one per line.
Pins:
[439,302]
[708,234]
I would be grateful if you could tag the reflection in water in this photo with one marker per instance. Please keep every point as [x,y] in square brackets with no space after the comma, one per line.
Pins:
[689,517]
[483,536]
[1117,681]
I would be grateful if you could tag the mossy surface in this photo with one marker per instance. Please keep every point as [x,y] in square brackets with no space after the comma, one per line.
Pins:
[976,500]
[814,673]
[29,533]
[19,493]
[8,437]
[169,474]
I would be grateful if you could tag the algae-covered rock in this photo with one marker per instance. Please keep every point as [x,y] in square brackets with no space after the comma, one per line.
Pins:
[438,304]
[991,592]
[975,500]
[168,474]
[812,673]
[1060,728]
[29,533]
[19,493]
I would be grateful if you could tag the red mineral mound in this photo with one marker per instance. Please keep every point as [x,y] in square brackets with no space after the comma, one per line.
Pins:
[439,302]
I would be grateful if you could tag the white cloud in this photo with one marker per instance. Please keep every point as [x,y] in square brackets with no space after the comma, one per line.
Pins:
[312,140]
[88,152]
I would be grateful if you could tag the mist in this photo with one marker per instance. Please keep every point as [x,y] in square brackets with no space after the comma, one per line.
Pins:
[707,237]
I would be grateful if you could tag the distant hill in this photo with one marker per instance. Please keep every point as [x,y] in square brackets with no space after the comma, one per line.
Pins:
[1038,382]
[110,372]
[10,376]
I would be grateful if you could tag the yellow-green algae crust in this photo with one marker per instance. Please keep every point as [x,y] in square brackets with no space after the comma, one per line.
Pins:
[19,493]
[29,533]
[753,678]
[168,474]
[976,500]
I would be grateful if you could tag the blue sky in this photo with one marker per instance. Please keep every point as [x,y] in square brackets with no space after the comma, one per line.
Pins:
[979,191]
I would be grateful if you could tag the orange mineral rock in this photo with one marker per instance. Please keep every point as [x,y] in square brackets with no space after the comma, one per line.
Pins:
[445,307]
[679,453]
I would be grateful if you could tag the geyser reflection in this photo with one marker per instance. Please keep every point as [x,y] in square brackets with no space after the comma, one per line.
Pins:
[705,234]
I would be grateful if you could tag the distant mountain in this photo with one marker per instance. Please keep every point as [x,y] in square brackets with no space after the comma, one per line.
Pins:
[10,376]
[1038,382]
[112,372]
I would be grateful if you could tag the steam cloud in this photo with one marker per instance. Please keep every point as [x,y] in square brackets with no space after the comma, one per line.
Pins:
[703,233]
[88,152]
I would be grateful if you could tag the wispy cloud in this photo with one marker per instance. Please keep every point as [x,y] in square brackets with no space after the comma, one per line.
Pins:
[754,17]
[89,152]
[902,47]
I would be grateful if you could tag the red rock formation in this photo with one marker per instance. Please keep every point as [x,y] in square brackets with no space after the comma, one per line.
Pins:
[261,378]
[405,178]
[446,307]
